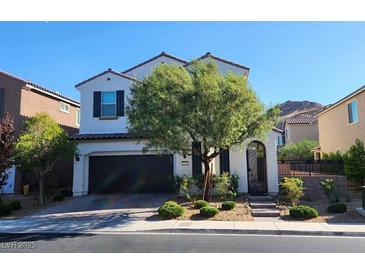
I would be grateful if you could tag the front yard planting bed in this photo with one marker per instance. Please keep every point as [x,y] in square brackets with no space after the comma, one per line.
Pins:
[351,216]
[241,212]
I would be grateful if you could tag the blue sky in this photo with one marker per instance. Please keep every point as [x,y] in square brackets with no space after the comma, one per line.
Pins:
[288,60]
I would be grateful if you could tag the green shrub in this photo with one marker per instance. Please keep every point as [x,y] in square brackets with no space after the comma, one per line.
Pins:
[291,189]
[331,190]
[208,211]
[228,205]
[226,185]
[337,208]
[170,210]
[5,209]
[173,203]
[301,150]
[303,212]
[200,203]
[354,163]
[15,205]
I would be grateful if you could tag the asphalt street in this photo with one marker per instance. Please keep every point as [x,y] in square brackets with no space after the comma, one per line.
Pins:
[136,242]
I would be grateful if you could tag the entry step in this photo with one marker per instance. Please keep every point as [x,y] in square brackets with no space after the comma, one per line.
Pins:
[263,212]
[260,198]
[262,204]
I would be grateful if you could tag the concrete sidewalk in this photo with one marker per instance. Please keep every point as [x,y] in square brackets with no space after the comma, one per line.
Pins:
[265,228]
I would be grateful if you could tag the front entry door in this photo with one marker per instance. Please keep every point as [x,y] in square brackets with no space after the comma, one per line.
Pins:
[256,168]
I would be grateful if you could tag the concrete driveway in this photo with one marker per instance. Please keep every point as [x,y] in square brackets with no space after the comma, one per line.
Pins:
[90,213]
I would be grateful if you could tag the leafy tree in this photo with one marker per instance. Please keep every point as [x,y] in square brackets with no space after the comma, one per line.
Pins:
[354,162]
[301,150]
[7,143]
[175,106]
[40,146]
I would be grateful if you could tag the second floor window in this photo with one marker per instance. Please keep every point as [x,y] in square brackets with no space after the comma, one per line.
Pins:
[108,104]
[64,107]
[352,112]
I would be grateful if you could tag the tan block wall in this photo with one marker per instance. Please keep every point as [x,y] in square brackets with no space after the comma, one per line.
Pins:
[300,132]
[335,133]
[33,102]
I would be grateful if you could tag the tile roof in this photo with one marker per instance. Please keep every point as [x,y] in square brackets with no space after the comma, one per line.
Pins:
[302,119]
[42,89]
[103,136]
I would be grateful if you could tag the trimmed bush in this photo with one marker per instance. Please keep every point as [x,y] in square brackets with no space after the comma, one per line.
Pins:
[5,209]
[170,210]
[303,212]
[228,205]
[200,203]
[337,208]
[208,211]
[173,203]
[15,205]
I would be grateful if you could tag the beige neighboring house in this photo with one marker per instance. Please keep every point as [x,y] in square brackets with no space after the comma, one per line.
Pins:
[341,123]
[22,99]
[299,127]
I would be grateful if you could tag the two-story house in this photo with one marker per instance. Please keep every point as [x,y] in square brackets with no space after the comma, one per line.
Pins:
[342,123]
[22,99]
[110,161]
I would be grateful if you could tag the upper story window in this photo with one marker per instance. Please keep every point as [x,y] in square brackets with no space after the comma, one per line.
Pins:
[64,107]
[279,140]
[77,117]
[108,104]
[352,112]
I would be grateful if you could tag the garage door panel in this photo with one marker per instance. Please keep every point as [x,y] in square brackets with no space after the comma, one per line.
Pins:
[131,174]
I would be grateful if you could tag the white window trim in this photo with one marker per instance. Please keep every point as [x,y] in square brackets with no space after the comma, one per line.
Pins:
[65,104]
[101,106]
[78,117]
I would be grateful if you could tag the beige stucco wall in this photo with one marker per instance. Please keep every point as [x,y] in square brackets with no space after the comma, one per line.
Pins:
[335,132]
[298,132]
[33,102]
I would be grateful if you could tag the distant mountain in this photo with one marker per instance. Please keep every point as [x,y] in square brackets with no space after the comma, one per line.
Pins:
[291,108]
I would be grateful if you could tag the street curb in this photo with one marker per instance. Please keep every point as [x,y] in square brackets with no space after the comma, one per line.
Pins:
[255,231]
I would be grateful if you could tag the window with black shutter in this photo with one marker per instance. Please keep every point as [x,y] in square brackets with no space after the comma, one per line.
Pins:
[120,103]
[97,104]
[197,162]
[224,161]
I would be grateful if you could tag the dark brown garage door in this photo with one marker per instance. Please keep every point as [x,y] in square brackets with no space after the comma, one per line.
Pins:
[131,174]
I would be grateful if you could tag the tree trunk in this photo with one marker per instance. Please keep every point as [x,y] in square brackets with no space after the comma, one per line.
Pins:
[41,190]
[207,180]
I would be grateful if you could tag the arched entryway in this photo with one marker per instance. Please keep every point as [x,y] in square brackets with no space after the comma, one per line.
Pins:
[256,168]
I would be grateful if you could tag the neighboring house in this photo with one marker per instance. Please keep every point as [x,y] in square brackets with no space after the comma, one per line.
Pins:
[21,99]
[299,127]
[110,161]
[342,123]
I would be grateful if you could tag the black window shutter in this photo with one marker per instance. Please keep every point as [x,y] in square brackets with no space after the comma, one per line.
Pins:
[2,102]
[224,161]
[197,162]
[97,104]
[120,103]
[349,109]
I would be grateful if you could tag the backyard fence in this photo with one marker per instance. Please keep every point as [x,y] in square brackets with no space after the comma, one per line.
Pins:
[310,167]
